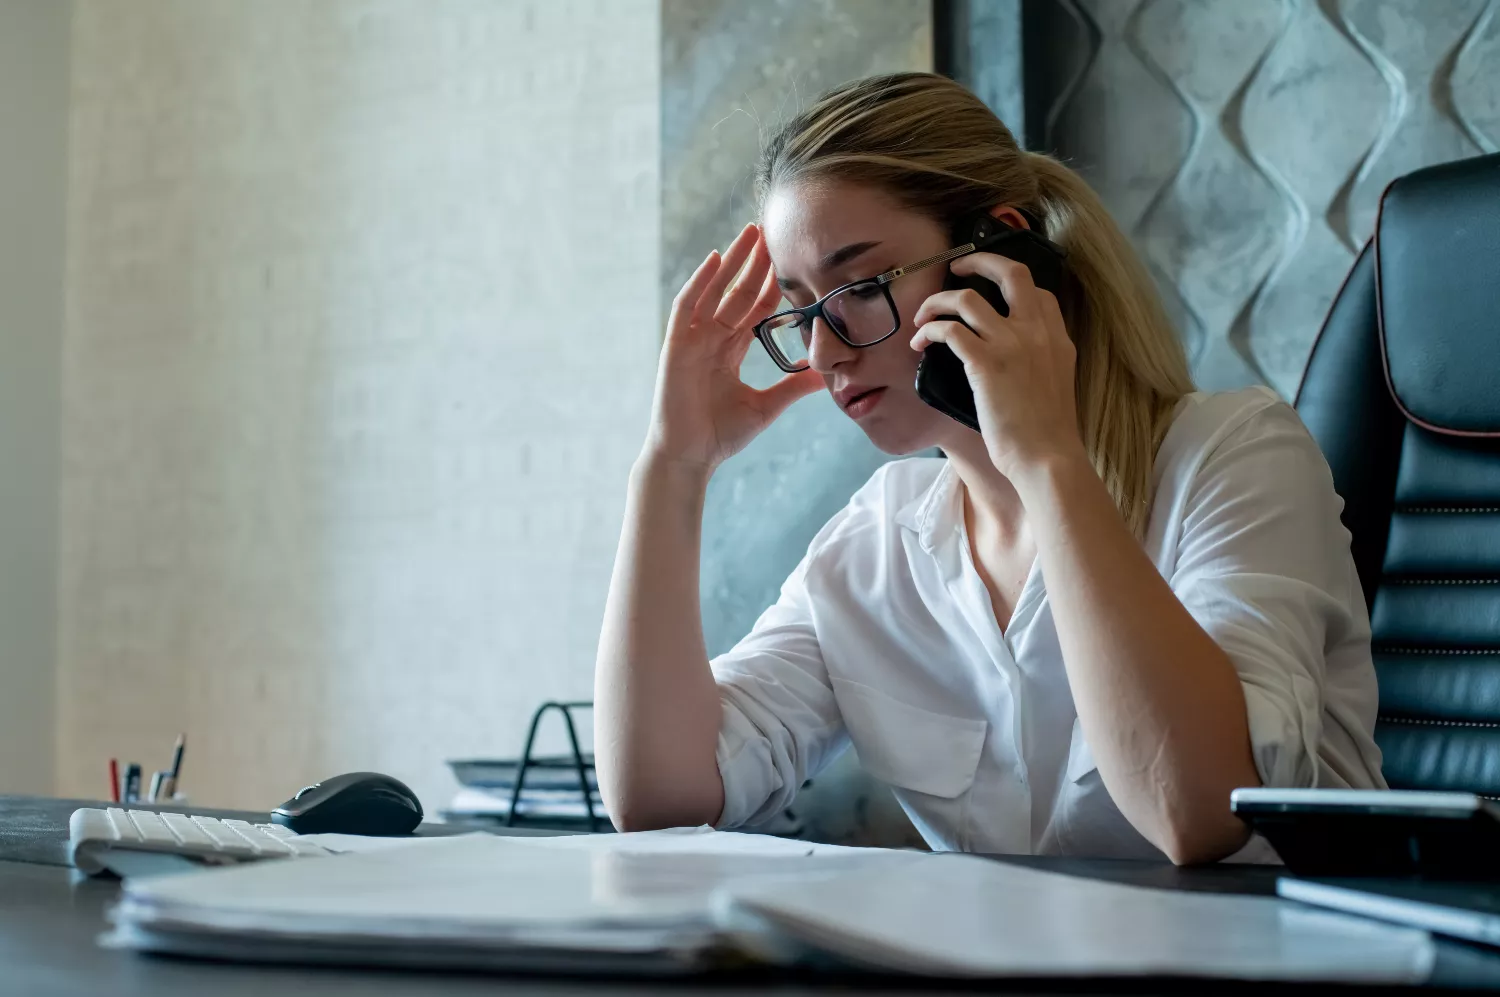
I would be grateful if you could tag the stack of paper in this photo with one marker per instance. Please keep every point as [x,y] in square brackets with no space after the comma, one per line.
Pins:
[677,901]
[535,804]
[552,789]
[605,903]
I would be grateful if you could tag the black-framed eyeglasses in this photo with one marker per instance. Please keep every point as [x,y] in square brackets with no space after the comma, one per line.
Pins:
[861,313]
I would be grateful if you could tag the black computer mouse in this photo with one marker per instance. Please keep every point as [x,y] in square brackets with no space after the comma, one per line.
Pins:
[355,803]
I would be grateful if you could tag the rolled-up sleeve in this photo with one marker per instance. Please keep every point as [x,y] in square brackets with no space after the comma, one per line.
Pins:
[1263,564]
[781,724]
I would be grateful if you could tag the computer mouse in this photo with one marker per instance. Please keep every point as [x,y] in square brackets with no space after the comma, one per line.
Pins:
[355,803]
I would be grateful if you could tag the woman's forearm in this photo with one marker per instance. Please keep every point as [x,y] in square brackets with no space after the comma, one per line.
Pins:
[1160,702]
[657,709]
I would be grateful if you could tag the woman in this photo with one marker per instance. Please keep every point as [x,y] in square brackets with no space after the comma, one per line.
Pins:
[1110,606]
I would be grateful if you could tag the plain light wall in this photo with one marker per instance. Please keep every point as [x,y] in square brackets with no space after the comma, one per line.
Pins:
[33,185]
[362,332]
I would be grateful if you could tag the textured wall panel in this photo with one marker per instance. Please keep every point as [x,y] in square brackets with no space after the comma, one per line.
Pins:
[1213,233]
[1251,195]
[362,329]
[1476,98]
[1414,44]
[1123,120]
[1310,117]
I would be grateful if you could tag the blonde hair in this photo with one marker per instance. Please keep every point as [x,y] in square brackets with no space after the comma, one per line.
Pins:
[937,149]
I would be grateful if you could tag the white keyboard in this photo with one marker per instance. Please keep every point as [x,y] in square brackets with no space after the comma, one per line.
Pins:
[92,832]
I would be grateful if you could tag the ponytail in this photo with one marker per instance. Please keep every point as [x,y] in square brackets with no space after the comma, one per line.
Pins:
[1131,368]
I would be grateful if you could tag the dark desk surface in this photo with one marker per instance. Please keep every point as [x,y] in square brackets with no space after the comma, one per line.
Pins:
[50,917]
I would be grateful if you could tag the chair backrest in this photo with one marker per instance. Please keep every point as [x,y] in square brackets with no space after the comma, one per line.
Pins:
[1402,392]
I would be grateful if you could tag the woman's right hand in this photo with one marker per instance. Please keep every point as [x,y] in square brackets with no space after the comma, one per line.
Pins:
[704,413]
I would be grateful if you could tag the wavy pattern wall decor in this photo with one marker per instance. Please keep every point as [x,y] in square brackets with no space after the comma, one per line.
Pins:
[1244,146]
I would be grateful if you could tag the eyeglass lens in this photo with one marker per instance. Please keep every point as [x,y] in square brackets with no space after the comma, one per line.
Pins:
[861,314]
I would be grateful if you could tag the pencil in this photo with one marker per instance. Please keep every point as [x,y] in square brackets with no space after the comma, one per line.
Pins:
[114,780]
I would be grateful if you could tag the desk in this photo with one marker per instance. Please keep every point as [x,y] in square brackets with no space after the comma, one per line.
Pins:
[50,916]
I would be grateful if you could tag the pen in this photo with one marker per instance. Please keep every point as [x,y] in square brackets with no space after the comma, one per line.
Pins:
[114,780]
[132,792]
[169,784]
[154,793]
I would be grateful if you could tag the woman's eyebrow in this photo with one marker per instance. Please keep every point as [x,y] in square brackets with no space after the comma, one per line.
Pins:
[834,259]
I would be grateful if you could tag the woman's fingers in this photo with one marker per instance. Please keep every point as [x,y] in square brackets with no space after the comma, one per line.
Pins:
[978,314]
[779,396]
[768,300]
[745,292]
[765,306]
[734,258]
[686,302]
[955,335]
[1013,277]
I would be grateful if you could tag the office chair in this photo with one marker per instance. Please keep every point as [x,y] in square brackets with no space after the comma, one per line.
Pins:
[1402,392]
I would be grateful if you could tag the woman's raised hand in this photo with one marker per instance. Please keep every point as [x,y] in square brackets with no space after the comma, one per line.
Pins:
[703,412]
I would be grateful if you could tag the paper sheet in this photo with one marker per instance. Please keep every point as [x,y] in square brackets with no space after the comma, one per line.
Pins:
[358,844]
[674,841]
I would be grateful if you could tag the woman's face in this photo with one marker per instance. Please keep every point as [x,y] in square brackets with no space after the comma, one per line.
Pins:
[824,236]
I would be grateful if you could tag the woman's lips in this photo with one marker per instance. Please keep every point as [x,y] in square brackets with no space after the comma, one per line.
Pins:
[863,404]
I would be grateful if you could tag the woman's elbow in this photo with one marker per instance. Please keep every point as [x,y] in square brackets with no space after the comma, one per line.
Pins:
[654,807]
[1202,839]
[650,820]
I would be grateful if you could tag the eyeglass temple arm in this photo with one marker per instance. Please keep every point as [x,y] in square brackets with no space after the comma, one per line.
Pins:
[944,257]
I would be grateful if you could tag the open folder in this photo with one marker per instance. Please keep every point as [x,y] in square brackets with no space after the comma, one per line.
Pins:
[674,902]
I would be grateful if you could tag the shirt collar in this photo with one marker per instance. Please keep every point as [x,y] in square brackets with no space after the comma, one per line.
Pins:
[935,514]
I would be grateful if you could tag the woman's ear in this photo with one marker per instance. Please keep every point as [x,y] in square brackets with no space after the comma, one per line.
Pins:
[1010,216]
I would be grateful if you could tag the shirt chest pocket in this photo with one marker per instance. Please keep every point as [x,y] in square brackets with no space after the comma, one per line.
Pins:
[910,747]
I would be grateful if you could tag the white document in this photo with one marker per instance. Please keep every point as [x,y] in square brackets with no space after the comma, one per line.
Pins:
[475,897]
[673,841]
[954,915]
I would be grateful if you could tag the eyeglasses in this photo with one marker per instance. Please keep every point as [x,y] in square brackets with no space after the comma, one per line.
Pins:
[861,314]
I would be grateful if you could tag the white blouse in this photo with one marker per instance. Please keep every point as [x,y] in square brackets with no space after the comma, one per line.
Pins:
[885,637]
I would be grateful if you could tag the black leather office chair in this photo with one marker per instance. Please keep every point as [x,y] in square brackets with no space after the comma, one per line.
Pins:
[1402,392]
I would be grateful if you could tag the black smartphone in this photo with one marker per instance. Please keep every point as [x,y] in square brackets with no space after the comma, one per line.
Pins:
[941,381]
[1384,832]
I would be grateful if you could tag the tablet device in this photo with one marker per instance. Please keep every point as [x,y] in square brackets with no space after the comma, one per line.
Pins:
[1357,832]
[1470,911]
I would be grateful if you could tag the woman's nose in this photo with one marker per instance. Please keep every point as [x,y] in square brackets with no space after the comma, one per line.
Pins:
[825,350]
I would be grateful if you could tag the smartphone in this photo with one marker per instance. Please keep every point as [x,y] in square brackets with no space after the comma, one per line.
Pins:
[941,381]
[1357,832]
